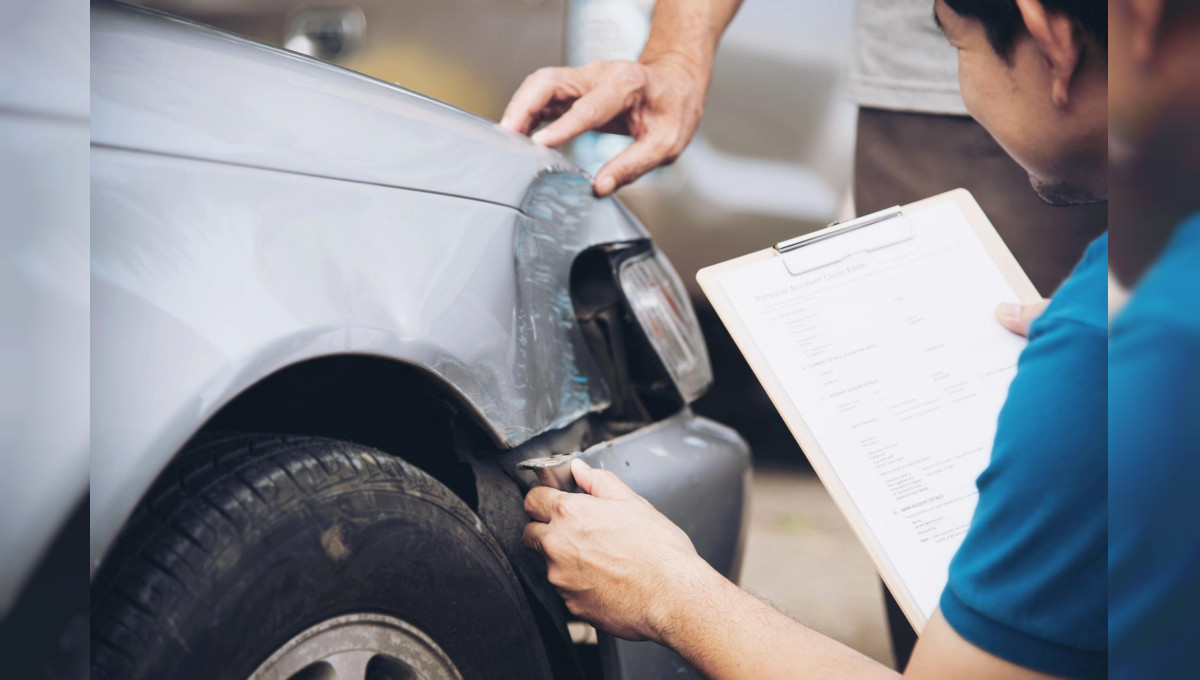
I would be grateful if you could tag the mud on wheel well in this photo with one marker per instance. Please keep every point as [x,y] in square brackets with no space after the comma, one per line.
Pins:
[394,407]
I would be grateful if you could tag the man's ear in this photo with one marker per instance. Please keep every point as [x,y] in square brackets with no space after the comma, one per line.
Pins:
[1059,42]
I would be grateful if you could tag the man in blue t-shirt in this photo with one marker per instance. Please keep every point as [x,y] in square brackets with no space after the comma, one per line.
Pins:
[1027,590]
[1154,440]
[1154,355]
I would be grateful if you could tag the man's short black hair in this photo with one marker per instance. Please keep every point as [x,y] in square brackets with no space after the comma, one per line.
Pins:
[1003,23]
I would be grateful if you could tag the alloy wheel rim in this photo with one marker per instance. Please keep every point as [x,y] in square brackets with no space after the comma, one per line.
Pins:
[359,647]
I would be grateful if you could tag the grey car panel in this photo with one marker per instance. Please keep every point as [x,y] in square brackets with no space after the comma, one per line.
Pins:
[44,362]
[43,282]
[210,277]
[169,86]
[44,54]
[210,274]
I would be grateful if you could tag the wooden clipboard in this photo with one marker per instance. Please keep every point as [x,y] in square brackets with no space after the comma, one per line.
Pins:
[708,279]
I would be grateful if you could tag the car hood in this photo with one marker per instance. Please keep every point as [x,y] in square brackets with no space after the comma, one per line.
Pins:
[168,86]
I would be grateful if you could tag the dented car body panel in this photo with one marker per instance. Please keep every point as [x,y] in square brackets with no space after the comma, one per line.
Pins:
[211,275]
[201,299]
[43,285]
[695,472]
[253,209]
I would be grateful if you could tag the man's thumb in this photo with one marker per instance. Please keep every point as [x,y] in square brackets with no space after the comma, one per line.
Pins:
[1017,317]
[598,483]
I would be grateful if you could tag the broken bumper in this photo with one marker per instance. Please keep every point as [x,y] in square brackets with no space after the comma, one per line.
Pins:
[695,471]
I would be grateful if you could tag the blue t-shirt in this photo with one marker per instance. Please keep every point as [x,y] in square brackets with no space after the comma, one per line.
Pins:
[1029,583]
[1154,469]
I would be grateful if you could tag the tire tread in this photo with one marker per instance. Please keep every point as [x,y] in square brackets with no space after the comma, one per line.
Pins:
[212,474]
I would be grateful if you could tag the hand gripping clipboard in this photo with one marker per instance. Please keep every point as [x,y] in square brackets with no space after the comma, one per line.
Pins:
[839,245]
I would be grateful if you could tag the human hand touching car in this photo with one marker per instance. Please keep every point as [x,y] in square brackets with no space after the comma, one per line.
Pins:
[615,560]
[658,102]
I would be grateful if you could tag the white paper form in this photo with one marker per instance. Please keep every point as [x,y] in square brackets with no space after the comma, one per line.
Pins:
[895,361]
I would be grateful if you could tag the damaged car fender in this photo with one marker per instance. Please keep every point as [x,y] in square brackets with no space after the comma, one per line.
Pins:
[325,214]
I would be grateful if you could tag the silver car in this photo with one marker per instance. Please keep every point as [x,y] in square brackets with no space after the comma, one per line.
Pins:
[338,330]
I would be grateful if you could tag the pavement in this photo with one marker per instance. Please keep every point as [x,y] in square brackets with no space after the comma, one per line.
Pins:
[802,557]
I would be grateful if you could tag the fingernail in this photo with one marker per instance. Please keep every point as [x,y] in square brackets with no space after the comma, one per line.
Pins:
[579,462]
[1008,310]
[539,137]
[605,184]
[504,122]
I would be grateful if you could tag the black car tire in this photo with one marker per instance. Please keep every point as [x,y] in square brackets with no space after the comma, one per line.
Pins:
[258,538]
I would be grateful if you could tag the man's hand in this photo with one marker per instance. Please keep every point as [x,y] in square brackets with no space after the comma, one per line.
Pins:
[622,565]
[616,561]
[658,102]
[658,99]
[1018,317]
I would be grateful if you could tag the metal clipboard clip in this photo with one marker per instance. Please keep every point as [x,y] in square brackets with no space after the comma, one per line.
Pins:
[860,235]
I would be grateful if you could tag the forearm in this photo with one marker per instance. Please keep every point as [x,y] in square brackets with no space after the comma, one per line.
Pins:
[728,634]
[690,29]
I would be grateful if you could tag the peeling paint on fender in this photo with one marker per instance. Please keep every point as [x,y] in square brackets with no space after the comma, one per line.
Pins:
[554,369]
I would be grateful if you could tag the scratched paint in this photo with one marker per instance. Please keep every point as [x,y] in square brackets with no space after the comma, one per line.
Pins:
[554,373]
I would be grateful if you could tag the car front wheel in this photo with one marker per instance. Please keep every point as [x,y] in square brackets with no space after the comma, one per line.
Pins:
[289,558]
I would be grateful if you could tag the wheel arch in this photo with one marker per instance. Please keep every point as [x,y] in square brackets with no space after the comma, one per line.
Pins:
[400,408]
[404,410]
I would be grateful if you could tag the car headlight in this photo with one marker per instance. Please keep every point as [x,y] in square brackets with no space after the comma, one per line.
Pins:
[662,307]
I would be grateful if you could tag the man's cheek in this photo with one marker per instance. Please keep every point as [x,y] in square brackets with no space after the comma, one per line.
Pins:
[968,86]
[986,105]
